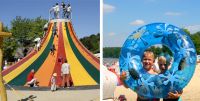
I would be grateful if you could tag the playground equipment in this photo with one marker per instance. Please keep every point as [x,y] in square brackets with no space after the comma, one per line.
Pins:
[84,65]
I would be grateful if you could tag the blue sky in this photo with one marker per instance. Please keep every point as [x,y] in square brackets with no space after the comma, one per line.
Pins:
[122,17]
[85,13]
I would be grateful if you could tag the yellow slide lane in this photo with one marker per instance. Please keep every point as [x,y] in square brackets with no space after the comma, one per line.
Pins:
[81,50]
[79,74]
[26,64]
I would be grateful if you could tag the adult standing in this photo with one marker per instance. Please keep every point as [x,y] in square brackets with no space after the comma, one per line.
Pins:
[52,10]
[57,11]
[64,9]
[65,72]
[69,11]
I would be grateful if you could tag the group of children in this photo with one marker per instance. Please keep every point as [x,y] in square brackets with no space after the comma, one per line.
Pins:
[149,67]
[66,10]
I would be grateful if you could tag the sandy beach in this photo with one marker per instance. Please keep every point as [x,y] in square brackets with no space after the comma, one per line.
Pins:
[190,93]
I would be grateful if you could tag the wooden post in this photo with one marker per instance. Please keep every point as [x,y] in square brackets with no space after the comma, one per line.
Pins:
[2,87]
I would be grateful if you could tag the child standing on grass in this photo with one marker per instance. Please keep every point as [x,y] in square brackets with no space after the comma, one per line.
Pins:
[53,82]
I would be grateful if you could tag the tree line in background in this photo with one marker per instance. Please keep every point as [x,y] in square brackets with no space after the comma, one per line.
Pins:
[92,42]
[25,30]
[111,52]
[114,52]
[196,40]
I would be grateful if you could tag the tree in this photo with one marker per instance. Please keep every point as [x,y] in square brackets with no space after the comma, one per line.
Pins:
[24,31]
[91,42]
[111,52]
[196,40]
[186,31]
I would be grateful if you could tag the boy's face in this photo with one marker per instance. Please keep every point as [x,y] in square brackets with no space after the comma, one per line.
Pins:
[147,61]
[162,66]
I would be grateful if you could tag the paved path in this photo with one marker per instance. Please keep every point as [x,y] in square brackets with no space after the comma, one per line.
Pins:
[81,93]
[62,95]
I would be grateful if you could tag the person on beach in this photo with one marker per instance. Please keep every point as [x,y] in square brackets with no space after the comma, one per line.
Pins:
[148,66]
[163,66]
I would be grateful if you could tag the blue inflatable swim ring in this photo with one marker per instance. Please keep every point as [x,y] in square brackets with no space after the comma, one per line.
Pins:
[174,79]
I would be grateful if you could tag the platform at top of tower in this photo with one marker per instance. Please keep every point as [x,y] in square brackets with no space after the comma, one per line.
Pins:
[60,20]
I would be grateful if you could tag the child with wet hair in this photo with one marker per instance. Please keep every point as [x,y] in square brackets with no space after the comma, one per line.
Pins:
[162,64]
[148,62]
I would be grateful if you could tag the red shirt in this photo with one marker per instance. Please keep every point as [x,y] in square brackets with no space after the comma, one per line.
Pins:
[30,76]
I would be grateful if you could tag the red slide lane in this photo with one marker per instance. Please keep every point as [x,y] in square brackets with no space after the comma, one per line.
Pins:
[60,54]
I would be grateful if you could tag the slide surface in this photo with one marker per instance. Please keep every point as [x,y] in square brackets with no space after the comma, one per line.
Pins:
[84,67]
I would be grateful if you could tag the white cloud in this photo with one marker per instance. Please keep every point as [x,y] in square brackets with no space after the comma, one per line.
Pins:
[193,28]
[111,34]
[137,22]
[108,8]
[172,13]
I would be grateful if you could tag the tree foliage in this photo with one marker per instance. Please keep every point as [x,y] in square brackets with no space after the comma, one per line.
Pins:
[186,31]
[92,42]
[196,40]
[24,31]
[160,50]
[111,52]
[114,52]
